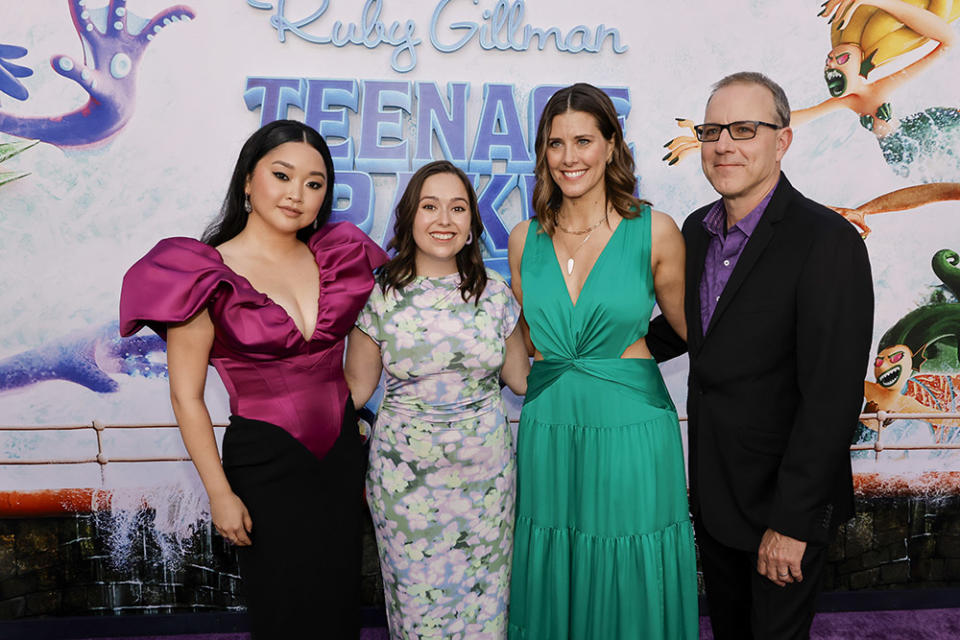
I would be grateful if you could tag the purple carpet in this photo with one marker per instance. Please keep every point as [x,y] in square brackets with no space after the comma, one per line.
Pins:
[366,634]
[916,624]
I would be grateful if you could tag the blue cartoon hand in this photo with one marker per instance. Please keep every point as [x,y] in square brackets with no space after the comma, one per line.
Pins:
[86,359]
[9,72]
[134,356]
[115,41]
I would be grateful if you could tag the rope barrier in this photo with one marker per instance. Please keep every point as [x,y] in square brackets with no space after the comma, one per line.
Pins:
[102,459]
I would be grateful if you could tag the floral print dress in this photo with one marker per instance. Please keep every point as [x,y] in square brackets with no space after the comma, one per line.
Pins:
[441,482]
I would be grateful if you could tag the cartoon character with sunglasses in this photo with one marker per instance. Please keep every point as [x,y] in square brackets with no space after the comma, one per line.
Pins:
[865,35]
[899,390]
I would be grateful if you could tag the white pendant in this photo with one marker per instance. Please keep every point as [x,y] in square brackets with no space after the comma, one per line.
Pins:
[569,266]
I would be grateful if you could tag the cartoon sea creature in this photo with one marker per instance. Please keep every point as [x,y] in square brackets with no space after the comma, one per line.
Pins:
[87,359]
[866,35]
[114,41]
[900,200]
[899,389]
[9,72]
[926,338]
[8,150]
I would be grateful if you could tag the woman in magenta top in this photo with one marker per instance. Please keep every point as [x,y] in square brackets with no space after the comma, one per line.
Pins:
[267,297]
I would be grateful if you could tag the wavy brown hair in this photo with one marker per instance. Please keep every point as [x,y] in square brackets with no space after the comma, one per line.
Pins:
[619,178]
[402,268]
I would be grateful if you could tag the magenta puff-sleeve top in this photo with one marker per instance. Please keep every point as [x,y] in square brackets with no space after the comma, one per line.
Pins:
[271,372]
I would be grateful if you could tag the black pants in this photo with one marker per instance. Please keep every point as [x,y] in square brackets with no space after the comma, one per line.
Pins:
[301,575]
[745,605]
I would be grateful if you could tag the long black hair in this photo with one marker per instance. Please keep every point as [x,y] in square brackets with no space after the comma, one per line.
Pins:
[402,268]
[233,218]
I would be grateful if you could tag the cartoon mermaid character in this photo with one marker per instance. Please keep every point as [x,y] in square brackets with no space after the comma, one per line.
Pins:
[926,338]
[899,390]
[868,34]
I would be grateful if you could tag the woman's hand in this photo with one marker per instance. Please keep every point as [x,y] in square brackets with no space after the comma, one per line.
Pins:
[231,518]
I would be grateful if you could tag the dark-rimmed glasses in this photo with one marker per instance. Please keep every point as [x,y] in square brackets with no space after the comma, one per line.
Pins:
[739,130]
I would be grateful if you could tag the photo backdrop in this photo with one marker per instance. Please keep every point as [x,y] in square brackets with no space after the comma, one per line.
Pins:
[140,108]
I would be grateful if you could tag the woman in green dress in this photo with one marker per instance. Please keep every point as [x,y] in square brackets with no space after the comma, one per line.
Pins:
[603,545]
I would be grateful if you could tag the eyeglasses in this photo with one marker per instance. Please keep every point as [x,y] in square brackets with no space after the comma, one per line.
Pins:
[739,130]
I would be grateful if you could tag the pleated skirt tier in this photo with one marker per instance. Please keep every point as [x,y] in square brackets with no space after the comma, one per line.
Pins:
[603,546]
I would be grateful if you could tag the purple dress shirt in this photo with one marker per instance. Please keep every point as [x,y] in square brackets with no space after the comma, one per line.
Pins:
[724,251]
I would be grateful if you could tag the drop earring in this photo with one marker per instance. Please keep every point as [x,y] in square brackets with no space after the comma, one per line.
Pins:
[246,203]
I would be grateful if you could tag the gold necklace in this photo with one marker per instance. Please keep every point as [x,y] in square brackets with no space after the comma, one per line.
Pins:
[580,232]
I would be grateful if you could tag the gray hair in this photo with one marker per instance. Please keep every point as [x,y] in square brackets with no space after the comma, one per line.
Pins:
[780,102]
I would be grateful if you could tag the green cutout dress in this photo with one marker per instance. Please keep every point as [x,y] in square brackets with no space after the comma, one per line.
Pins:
[603,545]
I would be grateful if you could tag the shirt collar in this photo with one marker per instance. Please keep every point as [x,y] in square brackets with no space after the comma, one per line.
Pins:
[716,218]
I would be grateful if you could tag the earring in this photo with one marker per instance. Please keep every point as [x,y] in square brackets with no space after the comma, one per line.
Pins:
[470,237]
[316,223]
[246,203]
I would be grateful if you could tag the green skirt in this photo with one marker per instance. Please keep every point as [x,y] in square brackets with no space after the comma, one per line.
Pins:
[603,547]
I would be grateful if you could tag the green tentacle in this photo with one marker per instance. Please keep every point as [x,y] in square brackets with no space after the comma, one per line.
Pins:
[944,264]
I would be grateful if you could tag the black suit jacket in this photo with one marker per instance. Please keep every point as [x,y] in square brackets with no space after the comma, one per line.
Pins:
[776,382]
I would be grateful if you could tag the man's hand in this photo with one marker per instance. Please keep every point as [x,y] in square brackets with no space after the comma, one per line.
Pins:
[779,556]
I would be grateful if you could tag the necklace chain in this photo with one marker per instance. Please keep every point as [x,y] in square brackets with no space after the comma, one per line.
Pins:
[589,231]
[580,232]
[579,246]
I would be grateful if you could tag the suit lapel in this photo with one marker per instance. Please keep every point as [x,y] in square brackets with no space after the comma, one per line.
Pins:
[755,247]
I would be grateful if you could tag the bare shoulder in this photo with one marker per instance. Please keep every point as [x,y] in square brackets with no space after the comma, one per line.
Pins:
[519,232]
[518,237]
[662,225]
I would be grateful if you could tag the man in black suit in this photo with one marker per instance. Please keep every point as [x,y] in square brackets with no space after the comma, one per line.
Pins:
[779,309]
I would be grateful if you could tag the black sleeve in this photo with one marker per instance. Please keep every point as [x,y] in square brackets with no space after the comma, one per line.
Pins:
[834,327]
[663,341]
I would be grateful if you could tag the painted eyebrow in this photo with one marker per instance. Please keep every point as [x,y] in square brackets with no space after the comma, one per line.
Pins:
[290,166]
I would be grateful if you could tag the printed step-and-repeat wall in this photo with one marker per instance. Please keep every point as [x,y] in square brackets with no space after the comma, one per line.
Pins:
[120,123]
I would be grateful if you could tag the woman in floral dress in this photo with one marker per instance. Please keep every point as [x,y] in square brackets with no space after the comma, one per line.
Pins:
[441,478]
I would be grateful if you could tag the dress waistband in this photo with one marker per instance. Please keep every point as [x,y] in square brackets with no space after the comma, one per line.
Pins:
[415,408]
[639,374]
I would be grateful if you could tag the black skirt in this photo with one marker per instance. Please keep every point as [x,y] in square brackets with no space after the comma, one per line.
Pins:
[301,575]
